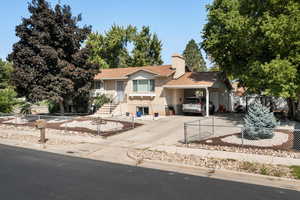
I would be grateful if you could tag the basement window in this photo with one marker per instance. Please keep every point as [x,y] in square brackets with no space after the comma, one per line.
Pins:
[143,110]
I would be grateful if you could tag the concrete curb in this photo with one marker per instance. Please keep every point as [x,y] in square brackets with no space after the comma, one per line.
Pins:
[224,174]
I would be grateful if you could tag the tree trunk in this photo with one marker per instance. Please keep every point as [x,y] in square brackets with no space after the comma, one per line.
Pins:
[292,108]
[61,107]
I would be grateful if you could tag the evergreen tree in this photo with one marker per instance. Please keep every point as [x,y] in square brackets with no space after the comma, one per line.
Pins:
[259,122]
[147,49]
[48,61]
[193,57]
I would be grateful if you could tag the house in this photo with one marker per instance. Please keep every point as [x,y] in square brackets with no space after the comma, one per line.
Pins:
[160,89]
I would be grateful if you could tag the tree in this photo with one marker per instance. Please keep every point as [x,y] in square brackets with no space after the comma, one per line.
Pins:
[5,73]
[48,61]
[147,49]
[258,43]
[110,50]
[259,122]
[193,57]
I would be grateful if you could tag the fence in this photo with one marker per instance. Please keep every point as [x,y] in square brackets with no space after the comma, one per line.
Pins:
[94,125]
[222,132]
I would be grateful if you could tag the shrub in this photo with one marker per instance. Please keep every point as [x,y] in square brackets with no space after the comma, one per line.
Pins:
[26,108]
[100,100]
[53,107]
[259,122]
[7,100]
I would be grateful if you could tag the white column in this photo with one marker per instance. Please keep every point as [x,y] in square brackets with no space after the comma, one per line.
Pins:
[207,102]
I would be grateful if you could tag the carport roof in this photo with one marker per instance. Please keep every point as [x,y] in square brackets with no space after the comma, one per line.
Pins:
[194,80]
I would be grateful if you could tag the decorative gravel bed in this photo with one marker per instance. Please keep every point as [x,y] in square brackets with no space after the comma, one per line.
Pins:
[33,139]
[250,150]
[214,163]
[282,145]
[87,126]
[107,126]
[278,139]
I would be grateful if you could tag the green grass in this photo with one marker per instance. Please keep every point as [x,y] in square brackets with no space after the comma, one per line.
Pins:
[296,171]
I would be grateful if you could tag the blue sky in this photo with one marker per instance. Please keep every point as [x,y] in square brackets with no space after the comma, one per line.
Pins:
[174,21]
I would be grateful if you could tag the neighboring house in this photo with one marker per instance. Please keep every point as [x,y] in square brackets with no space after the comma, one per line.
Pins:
[159,89]
[241,97]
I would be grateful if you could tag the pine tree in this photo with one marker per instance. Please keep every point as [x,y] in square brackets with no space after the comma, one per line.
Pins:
[259,122]
[48,61]
[147,49]
[193,57]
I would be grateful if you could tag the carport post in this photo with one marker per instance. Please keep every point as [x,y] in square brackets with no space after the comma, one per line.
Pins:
[207,102]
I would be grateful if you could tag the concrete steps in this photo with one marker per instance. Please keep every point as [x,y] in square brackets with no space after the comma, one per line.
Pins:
[107,108]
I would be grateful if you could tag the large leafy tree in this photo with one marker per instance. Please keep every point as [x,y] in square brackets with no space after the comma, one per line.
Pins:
[193,57]
[147,49]
[258,43]
[111,49]
[48,61]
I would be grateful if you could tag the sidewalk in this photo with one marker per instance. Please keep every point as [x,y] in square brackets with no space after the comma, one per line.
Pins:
[264,159]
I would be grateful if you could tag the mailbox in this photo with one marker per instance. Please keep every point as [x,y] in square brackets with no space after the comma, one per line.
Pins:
[40,124]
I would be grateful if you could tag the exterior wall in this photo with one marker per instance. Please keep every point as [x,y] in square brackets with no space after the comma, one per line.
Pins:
[161,99]
[156,103]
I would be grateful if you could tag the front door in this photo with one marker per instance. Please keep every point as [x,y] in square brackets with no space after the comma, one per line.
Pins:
[120,91]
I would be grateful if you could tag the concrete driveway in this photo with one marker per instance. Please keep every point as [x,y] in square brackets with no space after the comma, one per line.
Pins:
[165,131]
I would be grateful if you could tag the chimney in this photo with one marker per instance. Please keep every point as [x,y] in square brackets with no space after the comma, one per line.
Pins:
[178,64]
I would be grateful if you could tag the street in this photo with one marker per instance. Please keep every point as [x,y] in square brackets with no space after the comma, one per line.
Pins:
[33,175]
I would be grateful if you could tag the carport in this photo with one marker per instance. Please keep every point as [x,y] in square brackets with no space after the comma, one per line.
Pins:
[214,89]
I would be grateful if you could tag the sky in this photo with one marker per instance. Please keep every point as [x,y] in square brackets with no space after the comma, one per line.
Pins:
[174,21]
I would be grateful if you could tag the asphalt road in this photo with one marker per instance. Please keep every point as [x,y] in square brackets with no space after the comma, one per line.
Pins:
[34,175]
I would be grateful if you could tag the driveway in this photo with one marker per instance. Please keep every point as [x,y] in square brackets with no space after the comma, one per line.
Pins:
[170,130]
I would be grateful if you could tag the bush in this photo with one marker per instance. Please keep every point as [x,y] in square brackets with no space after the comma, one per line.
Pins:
[100,100]
[26,108]
[259,122]
[53,107]
[7,100]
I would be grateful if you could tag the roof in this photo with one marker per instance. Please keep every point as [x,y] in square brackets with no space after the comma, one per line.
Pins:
[200,79]
[123,73]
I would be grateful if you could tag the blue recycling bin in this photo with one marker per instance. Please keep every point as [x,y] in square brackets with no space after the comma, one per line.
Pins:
[138,114]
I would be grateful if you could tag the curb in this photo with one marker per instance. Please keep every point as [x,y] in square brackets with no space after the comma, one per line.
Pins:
[224,174]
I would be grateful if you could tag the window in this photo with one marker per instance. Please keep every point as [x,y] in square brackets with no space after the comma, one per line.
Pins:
[98,85]
[143,110]
[143,85]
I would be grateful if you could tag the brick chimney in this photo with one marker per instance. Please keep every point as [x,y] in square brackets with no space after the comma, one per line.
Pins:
[178,64]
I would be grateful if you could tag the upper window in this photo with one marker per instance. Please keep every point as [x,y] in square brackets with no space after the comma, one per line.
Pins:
[143,85]
[98,85]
